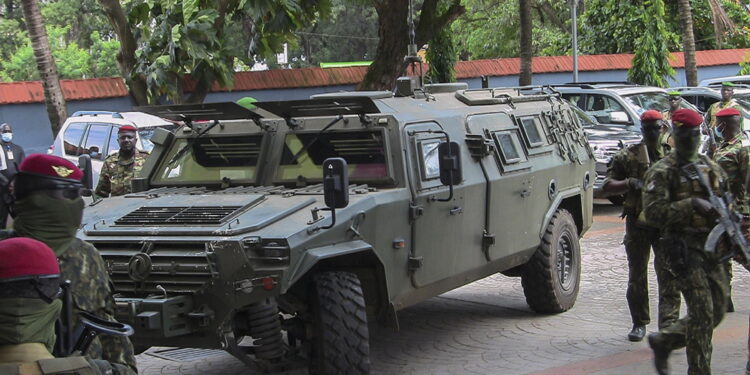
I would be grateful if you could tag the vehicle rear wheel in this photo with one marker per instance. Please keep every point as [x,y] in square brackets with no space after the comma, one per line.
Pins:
[617,200]
[341,339]
[552,276]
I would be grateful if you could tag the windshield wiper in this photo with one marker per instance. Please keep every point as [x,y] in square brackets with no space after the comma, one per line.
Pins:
[317,136]
[189,145]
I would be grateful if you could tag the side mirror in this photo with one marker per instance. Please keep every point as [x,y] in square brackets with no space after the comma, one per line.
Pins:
[619,117]
[335,183]
[449,156]
[84,163]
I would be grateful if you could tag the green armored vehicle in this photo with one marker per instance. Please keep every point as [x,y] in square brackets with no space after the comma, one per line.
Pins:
[278,233]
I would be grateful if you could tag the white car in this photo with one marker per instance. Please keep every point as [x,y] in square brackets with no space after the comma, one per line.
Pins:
[95,133]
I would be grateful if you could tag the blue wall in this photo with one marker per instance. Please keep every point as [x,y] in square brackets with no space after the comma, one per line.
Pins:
[31,128]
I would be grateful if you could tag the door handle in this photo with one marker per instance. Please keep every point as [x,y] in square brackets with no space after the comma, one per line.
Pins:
[456,210]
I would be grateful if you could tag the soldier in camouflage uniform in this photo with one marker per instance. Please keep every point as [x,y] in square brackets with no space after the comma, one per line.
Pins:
[727,91]
[679,205]
[675,100]
[29,307]
[733,155]
[119,169]
[48,207]
[625,175]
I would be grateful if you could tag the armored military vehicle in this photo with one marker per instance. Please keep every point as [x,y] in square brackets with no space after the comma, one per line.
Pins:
[277,234]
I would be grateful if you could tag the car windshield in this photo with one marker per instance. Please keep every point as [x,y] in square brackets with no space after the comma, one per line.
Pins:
[145,135]
[659,101]
[304,153]
[211,160]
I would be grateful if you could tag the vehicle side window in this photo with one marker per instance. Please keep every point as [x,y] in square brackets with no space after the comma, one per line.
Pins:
[96,138]
[428,158]
[532,130]
[72,138]
[114,146]
[511,150]
[596,102]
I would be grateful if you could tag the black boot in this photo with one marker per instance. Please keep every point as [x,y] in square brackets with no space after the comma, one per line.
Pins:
[661,355]
[637,333]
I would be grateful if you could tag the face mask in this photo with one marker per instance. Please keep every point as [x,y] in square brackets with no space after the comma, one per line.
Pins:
[687,145]
[7,137]
[24,320]
[50,220]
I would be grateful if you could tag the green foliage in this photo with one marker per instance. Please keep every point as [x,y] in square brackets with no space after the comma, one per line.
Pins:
[745,65]
[196,38]
[442,57]
[651,60]
[490,29]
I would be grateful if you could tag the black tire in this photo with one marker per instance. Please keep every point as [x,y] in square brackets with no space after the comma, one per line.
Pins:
[552,276]
[617,200]
[341,339]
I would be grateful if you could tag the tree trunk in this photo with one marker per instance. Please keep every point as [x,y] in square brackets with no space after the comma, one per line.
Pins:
[53,94]
[126,57]
[393,31]
[525,48]
[688,41]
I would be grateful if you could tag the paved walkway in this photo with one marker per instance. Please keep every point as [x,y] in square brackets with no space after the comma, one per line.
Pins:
[487,328]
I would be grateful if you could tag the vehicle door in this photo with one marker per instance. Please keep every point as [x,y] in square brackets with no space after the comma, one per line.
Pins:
[447,235]
[512,217]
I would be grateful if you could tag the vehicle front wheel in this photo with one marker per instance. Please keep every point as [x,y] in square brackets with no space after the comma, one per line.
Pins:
[341,339]
[552,276]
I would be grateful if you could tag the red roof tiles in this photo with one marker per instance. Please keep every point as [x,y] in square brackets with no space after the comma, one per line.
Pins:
[96,88]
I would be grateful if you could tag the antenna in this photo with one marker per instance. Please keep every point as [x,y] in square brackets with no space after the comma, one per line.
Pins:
[412,31]
[411,58]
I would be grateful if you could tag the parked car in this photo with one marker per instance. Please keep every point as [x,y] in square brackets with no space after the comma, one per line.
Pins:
[95,133]
[605,141]
[745,80]
[703,97]
[617,103]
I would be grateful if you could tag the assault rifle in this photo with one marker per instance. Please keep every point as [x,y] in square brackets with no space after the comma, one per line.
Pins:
[75,339]
[728,223]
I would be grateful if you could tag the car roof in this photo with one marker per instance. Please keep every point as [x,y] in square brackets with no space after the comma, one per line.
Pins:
[620,89]
[734,79]
[137,119]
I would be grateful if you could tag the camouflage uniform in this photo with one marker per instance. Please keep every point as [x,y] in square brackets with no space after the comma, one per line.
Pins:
[90,289]
[718,106]
[632,162]
[666,129]
[117,174]
[734,157]
[667,201]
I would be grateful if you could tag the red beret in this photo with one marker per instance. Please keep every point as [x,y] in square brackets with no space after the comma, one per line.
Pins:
[651,115]
[686,118]
[22,257]
[728,112]
[127,128]
[50,166]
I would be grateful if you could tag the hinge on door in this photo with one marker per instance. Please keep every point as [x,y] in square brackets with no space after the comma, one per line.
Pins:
[415,211]
[414,263]
[479,146]
[488,239]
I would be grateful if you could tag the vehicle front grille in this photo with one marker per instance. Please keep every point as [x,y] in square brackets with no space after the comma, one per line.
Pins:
[210,215]
[175,267]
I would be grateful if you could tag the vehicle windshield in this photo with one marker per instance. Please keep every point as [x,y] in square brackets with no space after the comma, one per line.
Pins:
[145,135]
[304,153]
[657,100]
[211,160]
[744,101]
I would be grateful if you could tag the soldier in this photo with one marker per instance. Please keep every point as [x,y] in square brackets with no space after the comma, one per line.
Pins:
[732,156]
[675,100]
[678,204]
[48,207]
[120,168]
[727,91]
[625,175]
[29,287]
